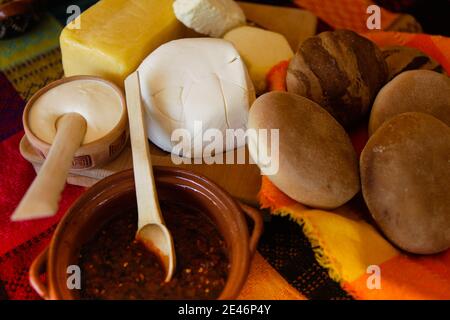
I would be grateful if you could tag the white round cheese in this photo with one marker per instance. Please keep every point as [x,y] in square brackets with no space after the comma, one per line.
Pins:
[99,104]
[190,80]
[209,17]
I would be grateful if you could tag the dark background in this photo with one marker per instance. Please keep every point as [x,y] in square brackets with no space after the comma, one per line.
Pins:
[433,15]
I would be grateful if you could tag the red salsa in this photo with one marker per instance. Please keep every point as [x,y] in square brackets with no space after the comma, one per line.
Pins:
[116,266]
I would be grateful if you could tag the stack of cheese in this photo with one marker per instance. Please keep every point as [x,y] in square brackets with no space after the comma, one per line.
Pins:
[182,81]
[260,49]
[116,35]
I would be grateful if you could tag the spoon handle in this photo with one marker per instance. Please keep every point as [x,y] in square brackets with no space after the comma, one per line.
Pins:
[42,198]
[148,206]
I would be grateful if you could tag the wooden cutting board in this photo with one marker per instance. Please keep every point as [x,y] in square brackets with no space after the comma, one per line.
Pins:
[295,24]
[242,181]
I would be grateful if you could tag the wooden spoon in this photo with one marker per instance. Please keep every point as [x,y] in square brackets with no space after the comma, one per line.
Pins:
[42,198]
[152,231]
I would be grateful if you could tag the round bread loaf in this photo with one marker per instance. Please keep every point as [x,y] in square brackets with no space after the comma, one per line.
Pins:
[317,163]
[400,59]
[412,91]
[405,175]
[339,70]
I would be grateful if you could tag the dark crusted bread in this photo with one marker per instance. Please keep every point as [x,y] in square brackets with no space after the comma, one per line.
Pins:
[400,59]
[339,70]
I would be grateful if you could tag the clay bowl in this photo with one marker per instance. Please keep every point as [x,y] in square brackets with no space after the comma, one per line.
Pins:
[115,194]
[19,16]
[89,155]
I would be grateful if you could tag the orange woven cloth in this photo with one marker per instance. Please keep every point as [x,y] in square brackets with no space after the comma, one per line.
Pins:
[345,14]
[344,242]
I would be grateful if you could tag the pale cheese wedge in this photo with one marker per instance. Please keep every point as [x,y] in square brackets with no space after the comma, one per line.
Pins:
[261,50]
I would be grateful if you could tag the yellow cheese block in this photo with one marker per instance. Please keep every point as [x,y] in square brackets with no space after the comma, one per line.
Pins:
[116,35]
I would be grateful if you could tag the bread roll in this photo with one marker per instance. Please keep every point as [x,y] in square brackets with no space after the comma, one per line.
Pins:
[417,90]
[339,70]
[405,175]
[400,59]
[317,163]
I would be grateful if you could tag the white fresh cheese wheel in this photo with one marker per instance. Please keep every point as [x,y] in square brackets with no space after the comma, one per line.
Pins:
[209,17]
[188,80]
[261,50]
[99,104]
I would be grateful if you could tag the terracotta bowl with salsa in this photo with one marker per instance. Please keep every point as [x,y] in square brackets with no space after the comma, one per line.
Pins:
[93,253]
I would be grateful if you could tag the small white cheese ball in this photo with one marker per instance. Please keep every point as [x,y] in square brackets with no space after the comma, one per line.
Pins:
[261,50]
[209,17]
[189,80]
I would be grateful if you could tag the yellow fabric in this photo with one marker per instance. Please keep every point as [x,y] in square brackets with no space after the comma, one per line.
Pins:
[347,246]
[27,78]
[344,243]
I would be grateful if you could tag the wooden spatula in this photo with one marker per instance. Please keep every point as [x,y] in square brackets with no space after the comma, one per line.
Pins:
[42,198]
[152,231]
